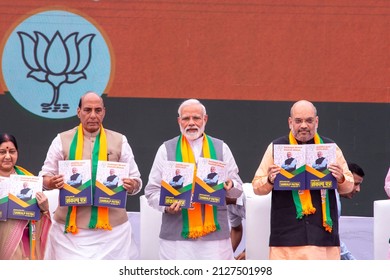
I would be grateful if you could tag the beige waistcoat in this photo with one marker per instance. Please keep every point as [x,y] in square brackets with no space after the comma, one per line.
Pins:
[117,216]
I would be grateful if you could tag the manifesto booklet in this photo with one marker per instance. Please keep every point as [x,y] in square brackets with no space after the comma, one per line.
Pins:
[22,202]
[292,160]
[209,182]
[77,190]
[176,183]
[318,157]
[4,190]
[109,191]
[304,166]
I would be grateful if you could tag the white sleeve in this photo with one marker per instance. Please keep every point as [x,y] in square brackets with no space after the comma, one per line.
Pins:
[128,156]
[54,154]
[232,167]
[152,189]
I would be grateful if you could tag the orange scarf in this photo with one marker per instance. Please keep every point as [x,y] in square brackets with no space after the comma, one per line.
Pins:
[302,198]
[193,224]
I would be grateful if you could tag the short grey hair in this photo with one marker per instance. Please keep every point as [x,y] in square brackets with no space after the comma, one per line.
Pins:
[191,102]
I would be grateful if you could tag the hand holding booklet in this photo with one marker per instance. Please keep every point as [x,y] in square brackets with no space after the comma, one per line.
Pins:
[209,182]
[176,183]
[305,166]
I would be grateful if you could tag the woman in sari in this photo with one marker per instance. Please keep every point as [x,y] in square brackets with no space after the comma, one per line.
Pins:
[21,239]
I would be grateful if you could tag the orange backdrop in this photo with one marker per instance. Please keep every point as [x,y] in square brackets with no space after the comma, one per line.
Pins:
[239,49]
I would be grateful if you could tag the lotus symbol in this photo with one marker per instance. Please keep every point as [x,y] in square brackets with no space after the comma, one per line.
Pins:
[56,61]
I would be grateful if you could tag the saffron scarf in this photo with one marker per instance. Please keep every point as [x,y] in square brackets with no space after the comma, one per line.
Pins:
[99,215]
[302,198]
[193,225]
[32,223]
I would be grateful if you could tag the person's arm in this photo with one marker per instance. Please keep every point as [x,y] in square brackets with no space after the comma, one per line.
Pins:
[214,180]
[134,174]
[261,184]
[112,183]
[153,187]
[236,236]
[345,254]
[344,177]
[387,183]
[323,164]
[75,182]
[49,170]
[177,183]
[232,174]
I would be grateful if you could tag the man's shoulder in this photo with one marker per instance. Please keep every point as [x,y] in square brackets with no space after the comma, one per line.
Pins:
[69,131]
[113,132]
[327,140]
[281,140]
[174,139]
[215,139]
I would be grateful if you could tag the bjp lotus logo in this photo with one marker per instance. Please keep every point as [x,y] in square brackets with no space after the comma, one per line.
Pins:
[51,59]
[56,61]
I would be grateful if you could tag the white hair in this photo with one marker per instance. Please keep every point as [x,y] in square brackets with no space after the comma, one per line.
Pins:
[191,102]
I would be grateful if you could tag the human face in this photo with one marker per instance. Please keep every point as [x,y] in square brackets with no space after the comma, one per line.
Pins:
[303,121]
[92,112]
[8,156]
[192,121]
[358,180]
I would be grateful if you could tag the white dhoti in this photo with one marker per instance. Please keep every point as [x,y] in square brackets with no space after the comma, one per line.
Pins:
[91,244]
[196,250]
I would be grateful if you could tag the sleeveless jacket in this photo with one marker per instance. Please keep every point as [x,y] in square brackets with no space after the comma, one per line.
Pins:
[171,226]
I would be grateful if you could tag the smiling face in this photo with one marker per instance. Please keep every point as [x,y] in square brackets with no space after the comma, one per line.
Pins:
[192,121]
[8,157]
[91,112]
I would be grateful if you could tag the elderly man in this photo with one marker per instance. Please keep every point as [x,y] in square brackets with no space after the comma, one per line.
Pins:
[90,232]
[202,232]
[304,224]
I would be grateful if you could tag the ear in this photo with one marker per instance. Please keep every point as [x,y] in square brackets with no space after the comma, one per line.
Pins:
[205,118]
[289,123]
[78,112]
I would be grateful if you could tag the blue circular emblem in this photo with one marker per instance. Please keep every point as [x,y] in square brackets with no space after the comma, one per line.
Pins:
[51,59]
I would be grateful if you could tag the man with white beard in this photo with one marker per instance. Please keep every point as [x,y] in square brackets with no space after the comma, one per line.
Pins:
[201,232]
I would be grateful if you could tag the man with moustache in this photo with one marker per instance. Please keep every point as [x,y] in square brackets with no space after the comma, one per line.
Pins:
[90,232]
[304,224]
[203,231]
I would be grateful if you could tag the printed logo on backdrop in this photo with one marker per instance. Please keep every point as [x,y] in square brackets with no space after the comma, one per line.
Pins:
[51,59]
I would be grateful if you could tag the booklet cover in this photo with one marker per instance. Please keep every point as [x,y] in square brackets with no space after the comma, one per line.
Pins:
[4,190]
[176,183]
[318,158]
[304,166]
[22,203]
[292,160]
[109,191]
[209,181]
[77,190]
